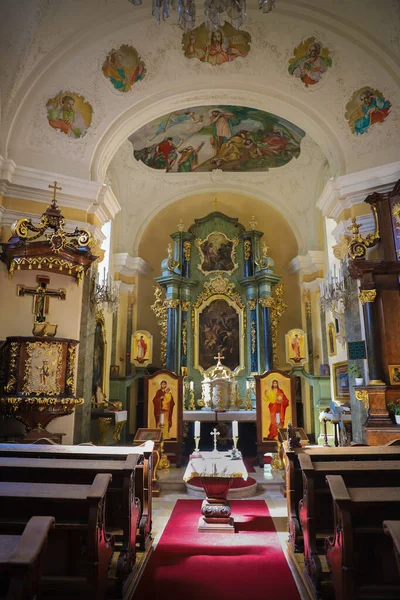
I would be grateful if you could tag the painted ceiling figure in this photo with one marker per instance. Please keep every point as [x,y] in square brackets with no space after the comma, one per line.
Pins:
[311,67]
[217,52]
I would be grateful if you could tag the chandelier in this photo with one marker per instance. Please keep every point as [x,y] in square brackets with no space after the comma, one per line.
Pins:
[215,12]
[334,291]
[104,294]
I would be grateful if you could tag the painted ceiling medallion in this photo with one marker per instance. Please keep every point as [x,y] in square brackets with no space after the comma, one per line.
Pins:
[311,60]
[365,108]
[230,138]
[123,67]
[70,114]
[216,47]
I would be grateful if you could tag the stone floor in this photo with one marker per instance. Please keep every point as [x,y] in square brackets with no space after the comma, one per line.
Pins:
[270,488]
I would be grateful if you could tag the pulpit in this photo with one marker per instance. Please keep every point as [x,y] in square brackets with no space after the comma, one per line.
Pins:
[38,382]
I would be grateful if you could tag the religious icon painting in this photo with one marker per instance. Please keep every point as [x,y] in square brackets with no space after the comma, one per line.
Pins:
[164,403]
[123,67]
[341,384]
[43,368]
[217,253]
[275,395]
[69,113]
[310,61]
[99,355]
[142,348]
[296,347]
[366,107]
[216,47]
[331,339]
[394,374]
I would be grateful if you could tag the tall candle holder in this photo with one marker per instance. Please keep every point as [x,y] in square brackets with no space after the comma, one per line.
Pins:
[163,462]
[196,452]
[236,454]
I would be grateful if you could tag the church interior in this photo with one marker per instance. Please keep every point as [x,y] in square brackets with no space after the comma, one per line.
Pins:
[200,299]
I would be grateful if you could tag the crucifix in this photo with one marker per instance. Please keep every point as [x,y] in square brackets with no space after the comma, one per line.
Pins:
[218,358]
[215,433]
[41,296]
[54,187]
[215,203]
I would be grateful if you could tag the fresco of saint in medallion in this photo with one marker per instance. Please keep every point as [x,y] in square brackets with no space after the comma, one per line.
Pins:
[124,67]
[366,107]
[216,47]
[69,113]
[311,60]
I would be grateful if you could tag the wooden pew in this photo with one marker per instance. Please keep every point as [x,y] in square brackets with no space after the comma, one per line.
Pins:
[294,483]
[143,471]
[122,508]
[315,508]
[392,528]
[22,557]
[359,555]
[79,550]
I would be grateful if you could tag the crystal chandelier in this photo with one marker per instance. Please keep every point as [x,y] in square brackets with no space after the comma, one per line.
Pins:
[334,291]
[215,11]
[104,294]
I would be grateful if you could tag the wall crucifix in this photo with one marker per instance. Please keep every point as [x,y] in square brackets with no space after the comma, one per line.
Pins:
[41,297]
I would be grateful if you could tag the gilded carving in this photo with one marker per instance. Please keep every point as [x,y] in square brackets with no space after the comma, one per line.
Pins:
[278,307]
[70,374]
[362,395]
[247,249]
[187,250]
[266,302]
[184,337]
[160,311]
[253,336]
[263,261]
[171,263]
[341,249]
[43,368]
[307,302]
[37,263]
[10,387]
[171,303]
[358,244]
[185,305]
[367,296]
[252,304]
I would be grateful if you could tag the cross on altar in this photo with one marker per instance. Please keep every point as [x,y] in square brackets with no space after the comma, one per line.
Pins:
[41,296]
[215,433]
[54,188]
[219,357]
[216,202]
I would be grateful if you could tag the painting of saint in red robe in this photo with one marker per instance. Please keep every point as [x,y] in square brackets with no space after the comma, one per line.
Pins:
[163,395]
[276,407]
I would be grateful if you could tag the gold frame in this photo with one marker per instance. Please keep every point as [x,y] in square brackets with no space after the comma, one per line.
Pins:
[331,327]
[391,372]
[196,317]
[335,367]
[99,318]
[52,351]
[235,241]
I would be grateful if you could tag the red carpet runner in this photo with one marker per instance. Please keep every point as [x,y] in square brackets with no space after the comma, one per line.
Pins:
[188,565]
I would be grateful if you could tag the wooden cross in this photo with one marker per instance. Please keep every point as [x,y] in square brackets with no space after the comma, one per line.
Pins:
[219,357]
[41,297]
[215,203]
[215,433]
[54,188]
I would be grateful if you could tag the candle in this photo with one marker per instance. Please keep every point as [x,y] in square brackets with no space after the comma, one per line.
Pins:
[162,419]
[197,429]
[192,385]
[247,385]
[235,431]
[278,418]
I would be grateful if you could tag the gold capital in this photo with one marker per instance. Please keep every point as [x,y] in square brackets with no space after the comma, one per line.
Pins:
[367,296]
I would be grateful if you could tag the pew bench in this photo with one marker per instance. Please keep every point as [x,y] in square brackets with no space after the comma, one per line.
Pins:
[143,471]
[294,483]
[360,556]
[122,507]
[79,550]
[315,508]
[21,560]
[392,528]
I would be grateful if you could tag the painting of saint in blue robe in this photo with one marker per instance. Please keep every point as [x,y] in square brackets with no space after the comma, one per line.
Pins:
[366,108]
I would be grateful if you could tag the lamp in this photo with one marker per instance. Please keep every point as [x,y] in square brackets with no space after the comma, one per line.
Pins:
[334,290]
[215,11]
[105,293]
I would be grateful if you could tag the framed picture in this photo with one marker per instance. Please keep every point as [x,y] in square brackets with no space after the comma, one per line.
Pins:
[394,374]
[296,347]
[114,371]
[341,380]
[99,354]
[275,396]
[331,339]
[143,435]
[141,348]
[217,253]
[300,433]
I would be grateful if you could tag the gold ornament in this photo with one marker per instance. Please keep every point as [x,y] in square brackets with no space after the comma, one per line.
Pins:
[186,250]
[253,223]
[252,304]
[160,310]
[247,249]
[363,396]
[253,336]
[358,244]
[367,296]
[184,337]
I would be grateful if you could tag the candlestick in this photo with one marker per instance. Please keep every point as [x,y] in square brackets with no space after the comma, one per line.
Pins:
[236,454]
[235,431]
[162,416]
[191,385]
[197,429]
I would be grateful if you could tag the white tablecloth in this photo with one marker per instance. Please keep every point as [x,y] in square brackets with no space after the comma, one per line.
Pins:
[208,466]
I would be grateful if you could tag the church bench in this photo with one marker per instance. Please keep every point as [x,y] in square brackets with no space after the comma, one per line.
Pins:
[21,560]
[79,550]
[315,507]
[122,507]
[392,528]
[143,471]
[294,482]
[360,556]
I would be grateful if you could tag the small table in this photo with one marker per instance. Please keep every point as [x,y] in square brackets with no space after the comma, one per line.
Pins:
[216,473]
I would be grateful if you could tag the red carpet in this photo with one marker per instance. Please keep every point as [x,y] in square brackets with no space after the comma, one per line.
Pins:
[249,464]
[248,564]
[237,483]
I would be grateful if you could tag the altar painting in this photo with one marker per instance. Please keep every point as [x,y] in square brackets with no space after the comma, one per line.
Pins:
[163,399]
[99,355]
[230,138]
[219,329]
[275,403]
[217,253]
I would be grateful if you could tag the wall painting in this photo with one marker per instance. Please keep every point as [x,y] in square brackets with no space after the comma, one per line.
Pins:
[296,347]
[311,60]
[69,113]
[123,67]
[275,403]
[217,253]
[216,47]
[203,138]
[219,328]
[142,348]
[365,108]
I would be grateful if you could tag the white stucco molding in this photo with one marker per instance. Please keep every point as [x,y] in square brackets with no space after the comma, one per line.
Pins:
[308,264]
[8,217]
[313,286]
[367,223]
[26,183]
[348,190]
[127,265]
[124,288]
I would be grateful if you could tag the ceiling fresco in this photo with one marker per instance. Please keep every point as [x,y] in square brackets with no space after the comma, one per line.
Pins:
[230,138]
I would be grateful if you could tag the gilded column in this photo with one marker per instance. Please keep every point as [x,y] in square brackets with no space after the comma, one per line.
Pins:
[367,299]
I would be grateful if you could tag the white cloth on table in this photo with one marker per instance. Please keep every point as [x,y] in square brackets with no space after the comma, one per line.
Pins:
[208,466]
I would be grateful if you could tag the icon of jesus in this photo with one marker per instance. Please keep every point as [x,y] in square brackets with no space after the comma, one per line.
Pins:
[277,404]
